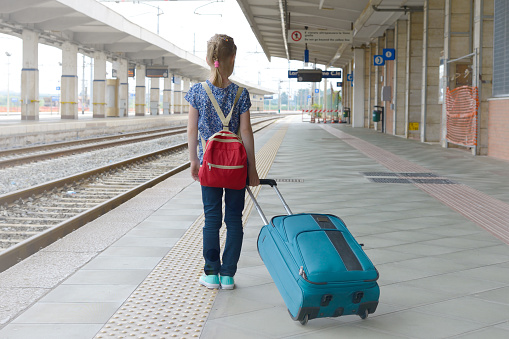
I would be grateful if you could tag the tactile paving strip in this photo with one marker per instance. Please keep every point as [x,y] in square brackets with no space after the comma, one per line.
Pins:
[170,303]
[486,211]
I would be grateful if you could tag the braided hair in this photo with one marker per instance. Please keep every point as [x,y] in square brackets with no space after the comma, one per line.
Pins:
[220,48]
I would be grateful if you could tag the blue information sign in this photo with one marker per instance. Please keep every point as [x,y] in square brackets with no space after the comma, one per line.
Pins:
[58,88]
[331,74]
[389,53]
[349,77]
[317,90]
[378,60]
[325,74]
[292,74]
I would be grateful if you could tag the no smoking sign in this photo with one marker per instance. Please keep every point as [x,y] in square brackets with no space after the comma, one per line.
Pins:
[296,36]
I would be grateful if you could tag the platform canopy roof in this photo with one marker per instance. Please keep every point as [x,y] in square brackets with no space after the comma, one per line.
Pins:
[95,27]
[270,21]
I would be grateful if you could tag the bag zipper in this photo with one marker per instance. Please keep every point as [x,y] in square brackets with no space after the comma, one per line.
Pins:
[224,167]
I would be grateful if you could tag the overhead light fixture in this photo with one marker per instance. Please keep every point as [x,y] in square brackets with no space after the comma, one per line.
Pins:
[405,9]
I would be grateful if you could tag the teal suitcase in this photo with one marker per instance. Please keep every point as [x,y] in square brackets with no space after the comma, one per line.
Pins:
[317,265]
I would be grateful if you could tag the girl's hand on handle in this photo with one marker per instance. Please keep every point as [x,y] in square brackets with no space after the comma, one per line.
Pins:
[253,177]
[195,168]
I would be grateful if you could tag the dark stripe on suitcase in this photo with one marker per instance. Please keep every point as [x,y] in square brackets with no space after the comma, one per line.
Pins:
[340,244]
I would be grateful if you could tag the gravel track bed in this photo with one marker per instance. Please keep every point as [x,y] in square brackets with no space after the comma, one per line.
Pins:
[28,175]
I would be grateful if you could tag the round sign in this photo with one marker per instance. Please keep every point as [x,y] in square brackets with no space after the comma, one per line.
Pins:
[296,36]
[388,54]
[379,60]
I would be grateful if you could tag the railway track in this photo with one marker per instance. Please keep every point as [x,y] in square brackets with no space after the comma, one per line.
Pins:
[33,218]
[23,155]
[19,156]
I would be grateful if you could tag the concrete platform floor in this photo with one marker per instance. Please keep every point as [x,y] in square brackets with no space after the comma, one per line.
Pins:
[444,269]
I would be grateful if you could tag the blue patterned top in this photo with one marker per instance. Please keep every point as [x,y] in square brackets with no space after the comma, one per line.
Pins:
[208,120]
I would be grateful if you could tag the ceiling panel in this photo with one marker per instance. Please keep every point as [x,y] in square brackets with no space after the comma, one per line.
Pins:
[359,16]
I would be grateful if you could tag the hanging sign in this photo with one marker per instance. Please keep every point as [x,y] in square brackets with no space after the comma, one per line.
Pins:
[305,36]
[389,53]
[325,74]
[378,60]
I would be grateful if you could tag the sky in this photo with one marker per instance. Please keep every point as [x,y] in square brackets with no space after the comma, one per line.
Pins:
[187,24]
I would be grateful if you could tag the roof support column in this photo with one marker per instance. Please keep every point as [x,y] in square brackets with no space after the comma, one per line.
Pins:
[367,84]
[154,96]
[358,88]
[167,94]
[372,85]
[415,81]
[380,43]
[99,110]
[433,44]
[69,82]
[324,106]
[388,82]
[30,76]
[482,71]
[186,85]
[139,99]
[121,66]
[400,70]
[177,89]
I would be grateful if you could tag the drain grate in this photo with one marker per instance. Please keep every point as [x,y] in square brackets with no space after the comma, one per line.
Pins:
[289,180]
[418,175]
[406,178]
[390,180]
[433,181]
[379,174]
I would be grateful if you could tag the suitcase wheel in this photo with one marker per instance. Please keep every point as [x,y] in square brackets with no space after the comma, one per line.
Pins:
[305,320]
[365,314]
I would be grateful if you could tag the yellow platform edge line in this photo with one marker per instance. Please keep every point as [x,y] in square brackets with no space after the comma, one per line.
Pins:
[170,303]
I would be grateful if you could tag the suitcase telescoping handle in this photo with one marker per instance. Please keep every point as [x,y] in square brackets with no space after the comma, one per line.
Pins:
[271,183]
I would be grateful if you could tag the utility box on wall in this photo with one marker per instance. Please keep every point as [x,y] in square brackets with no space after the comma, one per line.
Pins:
[386,93]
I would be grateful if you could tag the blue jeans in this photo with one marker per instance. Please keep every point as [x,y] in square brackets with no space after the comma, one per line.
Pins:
[212,205]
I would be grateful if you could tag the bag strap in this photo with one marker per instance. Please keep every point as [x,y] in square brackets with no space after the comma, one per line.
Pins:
[224,120]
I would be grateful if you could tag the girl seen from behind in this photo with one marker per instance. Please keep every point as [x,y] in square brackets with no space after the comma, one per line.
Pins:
[202,124]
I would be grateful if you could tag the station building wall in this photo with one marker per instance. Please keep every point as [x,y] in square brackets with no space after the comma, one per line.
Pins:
[461,33]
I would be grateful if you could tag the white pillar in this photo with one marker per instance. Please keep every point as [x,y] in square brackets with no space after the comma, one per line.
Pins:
[186,85]
[177,89]
[30,76]
[121,66]
[358,89]
[139,101]
[154,96]
[324,106]
[167,94]
[99,85]
[69,82]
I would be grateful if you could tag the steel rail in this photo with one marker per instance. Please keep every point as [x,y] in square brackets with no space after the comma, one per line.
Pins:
[40,148]
[99,143]
[22,250]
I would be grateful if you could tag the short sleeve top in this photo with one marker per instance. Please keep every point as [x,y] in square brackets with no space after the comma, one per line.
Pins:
[208,120]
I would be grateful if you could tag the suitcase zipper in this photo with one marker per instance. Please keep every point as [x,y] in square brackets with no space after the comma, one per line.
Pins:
[304,276]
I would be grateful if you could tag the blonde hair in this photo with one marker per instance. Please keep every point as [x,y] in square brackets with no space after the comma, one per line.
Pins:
[220,48]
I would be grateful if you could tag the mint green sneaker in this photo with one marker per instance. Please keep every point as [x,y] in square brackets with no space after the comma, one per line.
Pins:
[227,283]
[210,281]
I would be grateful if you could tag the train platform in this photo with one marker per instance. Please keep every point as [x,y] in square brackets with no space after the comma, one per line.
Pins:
[15,132]
[434,221]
